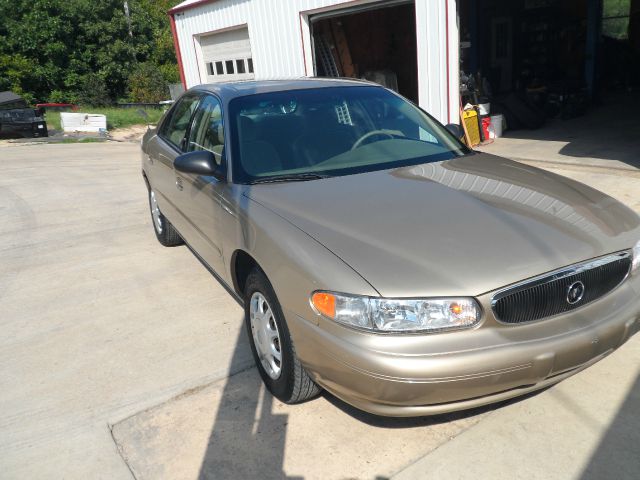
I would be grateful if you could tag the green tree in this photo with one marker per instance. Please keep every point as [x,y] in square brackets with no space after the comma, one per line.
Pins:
[55,48]
[16,70]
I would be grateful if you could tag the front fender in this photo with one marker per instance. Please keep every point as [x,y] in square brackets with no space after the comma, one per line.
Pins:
[295,263]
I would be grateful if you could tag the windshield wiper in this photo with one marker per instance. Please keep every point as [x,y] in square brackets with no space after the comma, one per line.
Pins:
[292,177]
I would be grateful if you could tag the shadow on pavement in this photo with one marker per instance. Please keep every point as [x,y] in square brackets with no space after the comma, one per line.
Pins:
[618,454]
[609,131]
[247,440]
[416,422]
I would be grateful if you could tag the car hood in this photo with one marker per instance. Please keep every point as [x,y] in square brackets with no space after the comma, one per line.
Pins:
[459,227]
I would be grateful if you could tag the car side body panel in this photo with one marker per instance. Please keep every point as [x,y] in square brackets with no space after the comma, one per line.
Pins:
[158,157]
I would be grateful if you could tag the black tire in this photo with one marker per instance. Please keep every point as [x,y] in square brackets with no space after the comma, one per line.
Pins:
[294,384]
[165,232]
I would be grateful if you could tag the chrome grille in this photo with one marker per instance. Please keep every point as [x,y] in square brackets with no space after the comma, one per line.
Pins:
[547,295]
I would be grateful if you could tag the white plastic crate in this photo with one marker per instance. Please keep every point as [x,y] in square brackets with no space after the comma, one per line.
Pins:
[83,122]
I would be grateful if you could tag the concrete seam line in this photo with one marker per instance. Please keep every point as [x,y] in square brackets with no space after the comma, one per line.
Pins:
[120,450]
[189,391]
[184,393]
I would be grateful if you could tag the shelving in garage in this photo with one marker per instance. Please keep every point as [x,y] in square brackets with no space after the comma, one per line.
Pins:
[376,41]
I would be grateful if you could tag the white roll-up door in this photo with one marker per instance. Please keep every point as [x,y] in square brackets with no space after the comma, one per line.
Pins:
[227,55]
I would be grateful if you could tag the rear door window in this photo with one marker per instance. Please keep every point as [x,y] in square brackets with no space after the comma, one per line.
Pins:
[174,129]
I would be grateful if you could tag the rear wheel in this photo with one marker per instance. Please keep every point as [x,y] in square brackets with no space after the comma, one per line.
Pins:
[271,344]
[166,234]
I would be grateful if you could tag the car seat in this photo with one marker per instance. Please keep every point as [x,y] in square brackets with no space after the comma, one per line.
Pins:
[257,157]
[323,138]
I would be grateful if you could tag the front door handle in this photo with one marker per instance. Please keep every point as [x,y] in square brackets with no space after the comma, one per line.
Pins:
[179,183]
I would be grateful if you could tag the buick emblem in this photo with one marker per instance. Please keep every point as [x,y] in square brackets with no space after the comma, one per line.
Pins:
[575,292]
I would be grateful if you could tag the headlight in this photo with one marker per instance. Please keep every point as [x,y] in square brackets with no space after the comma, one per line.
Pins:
[398,315]
[635,258]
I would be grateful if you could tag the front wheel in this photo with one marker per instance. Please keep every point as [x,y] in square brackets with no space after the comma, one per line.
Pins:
[166,233]
[271,344]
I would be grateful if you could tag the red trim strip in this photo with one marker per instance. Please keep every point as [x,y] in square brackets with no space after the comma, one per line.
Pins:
[178,8]
[176,45]
[446,19]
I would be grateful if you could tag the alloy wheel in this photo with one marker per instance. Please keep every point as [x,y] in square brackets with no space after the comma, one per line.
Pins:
[266,336]
[155,212]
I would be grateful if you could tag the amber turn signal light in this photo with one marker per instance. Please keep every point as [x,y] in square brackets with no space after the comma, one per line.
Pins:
[325,303]
[455,308]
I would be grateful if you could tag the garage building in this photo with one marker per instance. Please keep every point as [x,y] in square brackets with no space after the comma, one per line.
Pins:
[560,51]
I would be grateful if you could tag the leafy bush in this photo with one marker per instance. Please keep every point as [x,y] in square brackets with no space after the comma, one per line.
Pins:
[93,91]
[170,72]
[147,84]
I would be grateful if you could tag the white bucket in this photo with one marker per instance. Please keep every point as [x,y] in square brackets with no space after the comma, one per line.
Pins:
[484,108]
[497,123]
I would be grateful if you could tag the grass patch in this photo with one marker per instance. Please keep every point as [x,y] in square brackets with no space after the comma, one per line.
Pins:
[116,117]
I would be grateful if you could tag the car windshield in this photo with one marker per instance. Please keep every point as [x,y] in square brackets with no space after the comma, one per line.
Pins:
[332,131]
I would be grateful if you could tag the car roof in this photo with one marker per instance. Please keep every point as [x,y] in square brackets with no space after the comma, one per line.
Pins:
[10,98]
[233,89]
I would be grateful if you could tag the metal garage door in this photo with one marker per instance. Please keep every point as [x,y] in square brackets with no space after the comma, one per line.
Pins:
[227,55]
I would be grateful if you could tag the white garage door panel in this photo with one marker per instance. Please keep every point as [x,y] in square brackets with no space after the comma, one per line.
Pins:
[227,55]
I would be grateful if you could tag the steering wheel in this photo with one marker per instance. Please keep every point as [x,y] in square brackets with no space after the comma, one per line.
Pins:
[388,133]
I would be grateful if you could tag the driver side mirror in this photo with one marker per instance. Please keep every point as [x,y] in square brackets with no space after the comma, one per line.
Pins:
[202,162]
[455,129]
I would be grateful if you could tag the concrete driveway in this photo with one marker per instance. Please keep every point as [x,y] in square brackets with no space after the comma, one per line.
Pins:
[123,359]
[92,308]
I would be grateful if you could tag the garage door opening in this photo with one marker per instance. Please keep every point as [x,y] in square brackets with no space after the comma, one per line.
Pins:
[536,60]
[561,75]
[375,42]
[529,59]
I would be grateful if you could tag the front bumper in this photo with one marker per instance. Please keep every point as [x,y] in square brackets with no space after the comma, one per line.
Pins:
[33,129]
[413,375]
